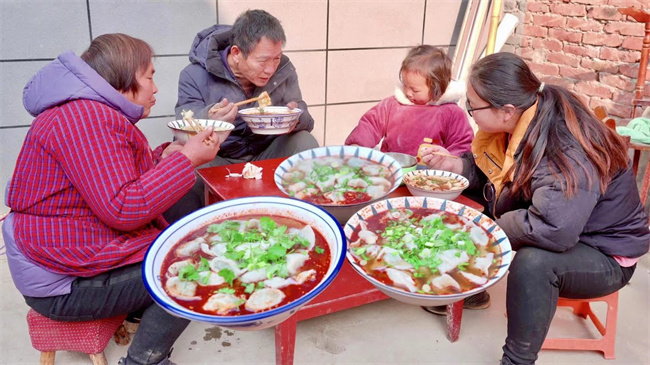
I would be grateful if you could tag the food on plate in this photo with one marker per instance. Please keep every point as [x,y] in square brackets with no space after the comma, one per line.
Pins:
[425,251]
[337,180]
[245,265]
[433,183]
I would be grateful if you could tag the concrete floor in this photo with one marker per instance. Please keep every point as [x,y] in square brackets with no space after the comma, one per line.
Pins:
[386,332]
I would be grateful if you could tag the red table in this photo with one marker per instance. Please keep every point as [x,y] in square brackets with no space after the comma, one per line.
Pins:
[348,289]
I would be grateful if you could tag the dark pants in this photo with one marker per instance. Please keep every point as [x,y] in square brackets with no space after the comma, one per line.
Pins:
[116,292]
[283,146]
[538,277]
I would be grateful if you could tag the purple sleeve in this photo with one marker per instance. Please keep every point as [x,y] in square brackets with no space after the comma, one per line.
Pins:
[372,126]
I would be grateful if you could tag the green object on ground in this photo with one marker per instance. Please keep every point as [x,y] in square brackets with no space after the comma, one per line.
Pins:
[638,129]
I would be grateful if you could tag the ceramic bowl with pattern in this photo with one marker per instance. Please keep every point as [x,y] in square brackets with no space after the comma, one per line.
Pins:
[183,131]
[435,183]
[274,119]
[488,232]
[336,157]
[308,214]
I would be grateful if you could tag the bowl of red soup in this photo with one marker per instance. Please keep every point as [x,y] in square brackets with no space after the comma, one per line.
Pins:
[246,263]
[427,251]
[435,183]
[341,179]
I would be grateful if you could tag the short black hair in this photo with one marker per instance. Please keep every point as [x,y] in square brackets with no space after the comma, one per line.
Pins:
[251,26]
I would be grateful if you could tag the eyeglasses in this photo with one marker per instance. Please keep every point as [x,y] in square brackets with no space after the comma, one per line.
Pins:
[471,110]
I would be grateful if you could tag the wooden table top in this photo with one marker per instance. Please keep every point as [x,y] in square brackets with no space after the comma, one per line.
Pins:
[225,188]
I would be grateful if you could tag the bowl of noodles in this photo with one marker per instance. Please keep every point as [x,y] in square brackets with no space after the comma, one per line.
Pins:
[435,183]
[340,179]
[246,264]
[271,119]
[427,251]
[182,131]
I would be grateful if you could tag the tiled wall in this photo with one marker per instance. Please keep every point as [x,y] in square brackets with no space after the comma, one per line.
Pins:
[347,52]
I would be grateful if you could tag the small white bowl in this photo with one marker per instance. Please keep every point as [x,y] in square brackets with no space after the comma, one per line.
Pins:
[183,131]
[307,213]
[342,212]
[275,120]
[504,254]
[446,194]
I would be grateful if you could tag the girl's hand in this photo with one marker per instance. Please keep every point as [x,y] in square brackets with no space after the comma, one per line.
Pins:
[200,148]
[439,162]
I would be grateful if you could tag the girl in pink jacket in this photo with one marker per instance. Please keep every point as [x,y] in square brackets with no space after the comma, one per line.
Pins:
[421,108]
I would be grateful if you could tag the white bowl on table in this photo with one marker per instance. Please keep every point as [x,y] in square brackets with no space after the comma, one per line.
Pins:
[497,238]
[450,194]
[183,131]
[274,120]
[304,212]
[342,212]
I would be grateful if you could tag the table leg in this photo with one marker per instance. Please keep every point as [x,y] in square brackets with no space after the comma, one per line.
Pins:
[454,316]
[210,197]
[285,342]
[645,187]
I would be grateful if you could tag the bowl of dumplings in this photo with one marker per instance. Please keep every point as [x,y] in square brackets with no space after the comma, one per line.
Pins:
[245,264]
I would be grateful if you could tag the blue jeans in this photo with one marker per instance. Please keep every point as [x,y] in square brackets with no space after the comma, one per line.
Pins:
[538,277]
[120,291]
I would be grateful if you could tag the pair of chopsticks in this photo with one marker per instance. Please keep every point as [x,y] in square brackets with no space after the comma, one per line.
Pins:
[443,154]
[196,126]
[264,100]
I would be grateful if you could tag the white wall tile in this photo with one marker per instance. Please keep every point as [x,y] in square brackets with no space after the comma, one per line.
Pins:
[341,120]
[310,67]
[318,113]
[443,21]
[156,130]
[168,70]
[14,76]
[304,21]
[370,23]
[42,29]
[363,75]
[169,26]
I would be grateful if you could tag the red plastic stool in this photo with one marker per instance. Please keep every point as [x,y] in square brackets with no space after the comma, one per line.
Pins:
[581,307]
[90,337]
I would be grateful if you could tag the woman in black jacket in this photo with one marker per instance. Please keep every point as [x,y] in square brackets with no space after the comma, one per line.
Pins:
[561,187]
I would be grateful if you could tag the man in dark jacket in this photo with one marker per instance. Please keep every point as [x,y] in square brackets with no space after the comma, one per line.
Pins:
[235,63]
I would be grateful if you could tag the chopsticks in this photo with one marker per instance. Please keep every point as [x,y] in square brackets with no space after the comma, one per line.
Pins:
[443,154]
[196,126]
[264,100]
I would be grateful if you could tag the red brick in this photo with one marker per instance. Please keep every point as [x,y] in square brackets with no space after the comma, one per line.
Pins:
[536,7]
[626,28]
[563,59]
[563,35]
[602,39]
[631,70]
[584,25]
[612,54]
[599,65]
[627,3]
[577,73]
[619,82]
[623,97]
[546,44]
[526,53]
[605,13]
[559,81]
[525,42]
[568,9]
[549,20]
[593,88]
[632,43]
[589,2]
[534,31]
[543,68]
[584,51]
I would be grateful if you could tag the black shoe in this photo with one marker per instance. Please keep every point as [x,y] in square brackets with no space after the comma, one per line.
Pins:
[477,301]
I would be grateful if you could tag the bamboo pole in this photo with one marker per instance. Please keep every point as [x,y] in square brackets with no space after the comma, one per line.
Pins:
[494,25]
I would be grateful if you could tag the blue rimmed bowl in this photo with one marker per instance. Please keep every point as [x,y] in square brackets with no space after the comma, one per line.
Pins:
[182,131]
[449,194]
[274,120]
[304,212]
[342,212]
[503,249]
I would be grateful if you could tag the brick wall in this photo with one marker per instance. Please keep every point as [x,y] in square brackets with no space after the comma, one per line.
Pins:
[584,45]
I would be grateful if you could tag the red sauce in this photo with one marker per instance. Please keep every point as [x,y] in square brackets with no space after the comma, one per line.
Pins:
[351,197]
[317,261]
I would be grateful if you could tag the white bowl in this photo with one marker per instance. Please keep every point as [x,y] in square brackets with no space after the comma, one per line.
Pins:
[450,194]
[450,207]
[343,212]
[183,131]
[275,120]
[307,213]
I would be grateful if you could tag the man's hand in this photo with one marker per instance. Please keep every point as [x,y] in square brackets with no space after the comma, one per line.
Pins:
[292,105]
[435,161]
[223,110]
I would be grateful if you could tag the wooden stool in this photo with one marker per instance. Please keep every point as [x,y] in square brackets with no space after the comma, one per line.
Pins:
[90,337]
[581,307]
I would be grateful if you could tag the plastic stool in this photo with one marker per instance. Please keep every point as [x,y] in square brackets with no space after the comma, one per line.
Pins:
[581,307]
[90,337]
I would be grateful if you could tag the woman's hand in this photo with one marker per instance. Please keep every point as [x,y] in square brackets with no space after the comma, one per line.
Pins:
[439,162]
[173,147]
[202,147]
[223,110]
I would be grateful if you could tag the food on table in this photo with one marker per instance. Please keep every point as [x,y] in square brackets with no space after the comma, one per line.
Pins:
[425,251]
[245,265]
[337,180]
[433,183]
